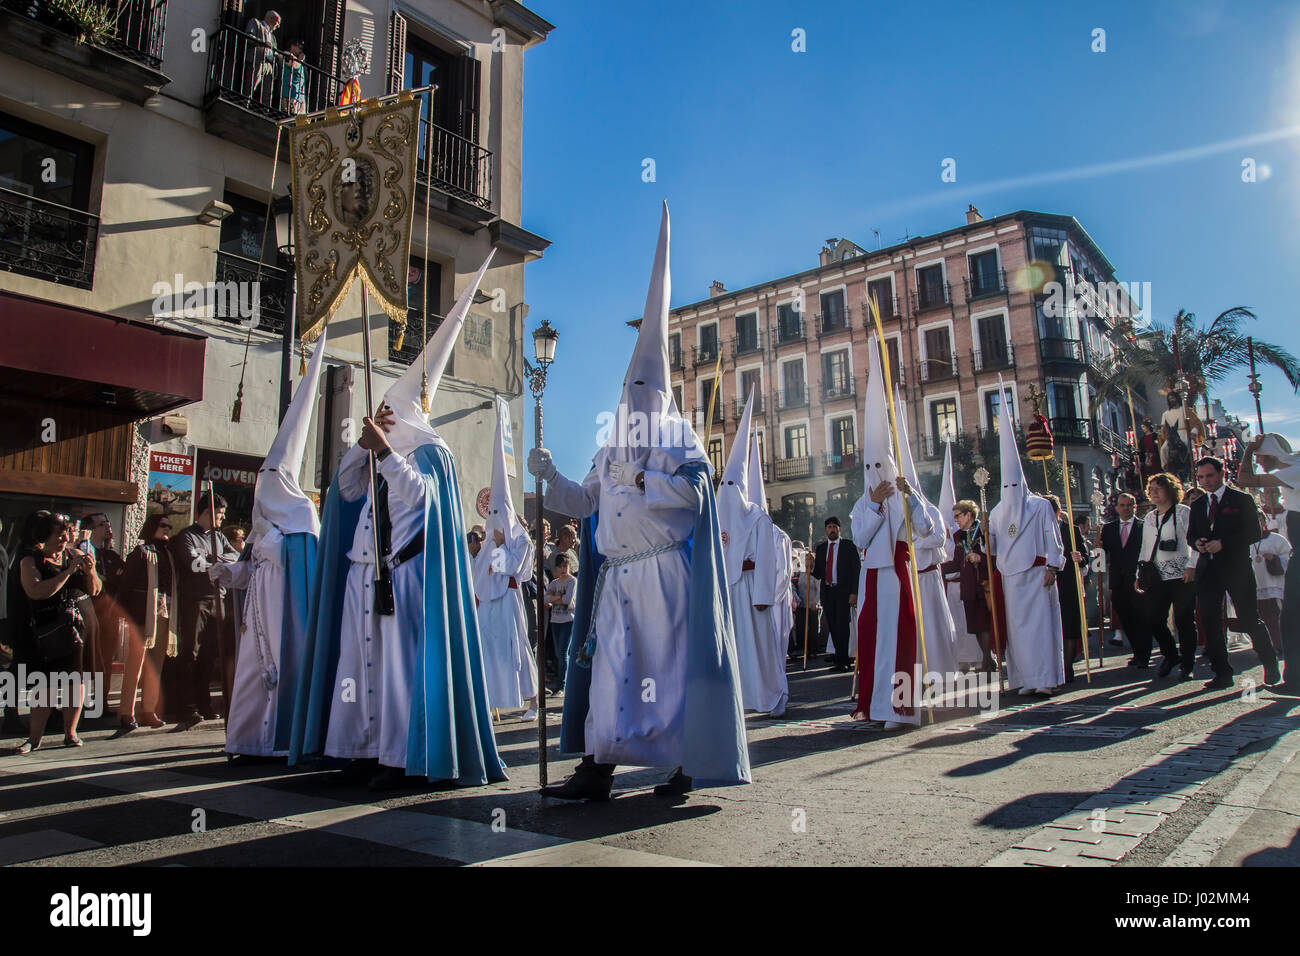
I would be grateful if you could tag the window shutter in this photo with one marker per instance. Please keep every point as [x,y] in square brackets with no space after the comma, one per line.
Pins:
[396,53]
[467,73]
[330,42]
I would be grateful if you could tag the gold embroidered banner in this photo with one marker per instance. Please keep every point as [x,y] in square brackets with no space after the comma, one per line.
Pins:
[353,197]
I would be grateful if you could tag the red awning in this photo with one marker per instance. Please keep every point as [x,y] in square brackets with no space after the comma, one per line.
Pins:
[49,350]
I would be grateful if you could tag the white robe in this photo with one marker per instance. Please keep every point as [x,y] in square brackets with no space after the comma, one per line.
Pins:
[1035,638]
[932,550]
[638,674]
[371,713]
[783,609]
[760,650]
[508,666]
[868,524]
[250,726]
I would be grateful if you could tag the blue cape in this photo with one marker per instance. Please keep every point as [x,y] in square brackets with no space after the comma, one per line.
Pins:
[451,728]
[716,753]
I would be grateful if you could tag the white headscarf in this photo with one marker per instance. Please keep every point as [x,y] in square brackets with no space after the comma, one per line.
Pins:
[278,500]
[737,514]
[647,397]
[411,428]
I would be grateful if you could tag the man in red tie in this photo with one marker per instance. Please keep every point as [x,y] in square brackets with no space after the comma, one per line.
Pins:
[1122,541]
[837,566]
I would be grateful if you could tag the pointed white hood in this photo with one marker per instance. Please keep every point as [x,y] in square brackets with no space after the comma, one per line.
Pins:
[1016,508]
[278,500]
[501,515]
[878,462]
[907,466]
[737,515]
[947,496]
[649,428]
[756,490]
[412,429]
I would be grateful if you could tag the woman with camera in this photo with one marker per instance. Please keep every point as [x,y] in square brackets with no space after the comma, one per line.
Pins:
[1164,578]
[48,631]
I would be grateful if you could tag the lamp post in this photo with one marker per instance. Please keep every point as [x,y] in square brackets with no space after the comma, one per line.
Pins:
[282,208]
[544,338]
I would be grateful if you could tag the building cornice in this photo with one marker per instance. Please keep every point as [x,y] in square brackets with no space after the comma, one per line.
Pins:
[531,28]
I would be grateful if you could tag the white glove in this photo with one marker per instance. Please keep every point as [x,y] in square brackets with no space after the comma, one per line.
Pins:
[540,464]
[624,472]
[221,574]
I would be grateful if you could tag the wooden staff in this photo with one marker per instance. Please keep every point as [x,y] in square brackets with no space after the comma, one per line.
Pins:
[1078,574]
[907,511]
[988,566]
[713,396]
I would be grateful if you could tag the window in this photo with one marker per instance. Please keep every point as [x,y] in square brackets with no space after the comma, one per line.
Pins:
[421,274]
[677,396]
[891,349]
[1063,400]
[709,341]
[715,454]
[1056,326]
[751,382]
[793,381]
[991,409]
[787,322]
[747,332]
[456,103]
[943,420]
[992,333]
[883,291]
[675,350]
[833,316]
[938,352]
[40,172]
[244,232]
[984,278]
[1049,245]
[843,442]
[930,289]
[836,380]
[706,392]
[796,441]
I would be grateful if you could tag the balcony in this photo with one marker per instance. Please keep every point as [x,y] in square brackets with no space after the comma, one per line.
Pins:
[829,323]
[988,360]
[238,274]
[1072,430]
[458,168]
[702,414]
[933,297]
[833,464]
[835,390]
[243,102]
[738,407]
[938,370]
[1112,441]
[704,354]
[746,344]
[47,241]
[791,398]
[411,347]
[983,286]
[1061,351]
[792,469]
[126,61]
[889,310]
[789,331]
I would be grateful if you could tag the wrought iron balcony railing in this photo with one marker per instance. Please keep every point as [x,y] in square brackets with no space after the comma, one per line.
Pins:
[1061,350]
[789,331]
[834,464]
[836,389]
[993,358]
[738,407]
[791,469]
[788,398]
[47,241]
[138,29]
[455,165]
[1071,429]
[983,285]
[263,80]
[828,323]
[244,292]
[938,369]
[676,362]
[889,310]
[746,344]
[929,296]
[704,355]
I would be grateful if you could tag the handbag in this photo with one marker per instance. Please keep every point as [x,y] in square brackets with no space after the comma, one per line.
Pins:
[1148,575]
[1273,564]
[57,636]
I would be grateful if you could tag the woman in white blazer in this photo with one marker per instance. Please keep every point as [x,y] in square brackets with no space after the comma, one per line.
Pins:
[1165,547]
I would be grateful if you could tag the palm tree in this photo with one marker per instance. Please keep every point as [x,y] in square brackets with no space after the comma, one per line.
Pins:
[1208,355]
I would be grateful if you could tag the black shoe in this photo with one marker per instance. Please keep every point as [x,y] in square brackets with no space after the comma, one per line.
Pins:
[1272,676]
[210,715]
[1139,664]
[124,726]
[590,781]
[188,722]
[839,668]
[1219,683]
[675,786]
[1186,673]
[1116,642]
[1166,667]
[390,778]
[359,771]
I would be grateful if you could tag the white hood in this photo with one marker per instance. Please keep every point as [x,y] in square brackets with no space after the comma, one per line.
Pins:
[1016,508]
[278,500]
[947,496]
[756,490]
[501,515]
[412,429]
[907,466]
[878,462]
[647,398]
[737,515]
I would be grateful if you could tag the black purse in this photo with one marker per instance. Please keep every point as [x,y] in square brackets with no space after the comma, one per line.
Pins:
[1148,575]
[55,633]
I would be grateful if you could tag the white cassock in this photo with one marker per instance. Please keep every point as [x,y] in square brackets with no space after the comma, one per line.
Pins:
[783,609]
[250,725]
[508,666]
[377,653]
[638,674]
[1035,638]
[871,530]
[931,551]
[760,652]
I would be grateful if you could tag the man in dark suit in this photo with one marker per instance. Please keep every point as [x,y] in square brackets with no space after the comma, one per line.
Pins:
[1223,525]
[836,567]
[1121,539]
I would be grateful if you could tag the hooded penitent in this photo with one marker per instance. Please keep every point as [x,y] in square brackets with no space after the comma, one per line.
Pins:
[278,500]
[947,496]
[501,516]
[411,428]
[737,515]
[878,462]
[907,466]
[1015,506]
[649,428]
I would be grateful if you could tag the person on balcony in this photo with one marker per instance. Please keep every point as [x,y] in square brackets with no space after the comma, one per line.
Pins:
[293,81]
[260,56]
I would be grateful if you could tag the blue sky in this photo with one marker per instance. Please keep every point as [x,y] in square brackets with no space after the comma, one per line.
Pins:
[763,153]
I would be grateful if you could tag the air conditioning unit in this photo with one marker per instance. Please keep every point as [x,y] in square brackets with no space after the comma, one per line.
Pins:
[175,424]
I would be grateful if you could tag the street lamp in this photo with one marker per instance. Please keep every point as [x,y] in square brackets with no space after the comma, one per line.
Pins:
[282,208]
[544,338]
